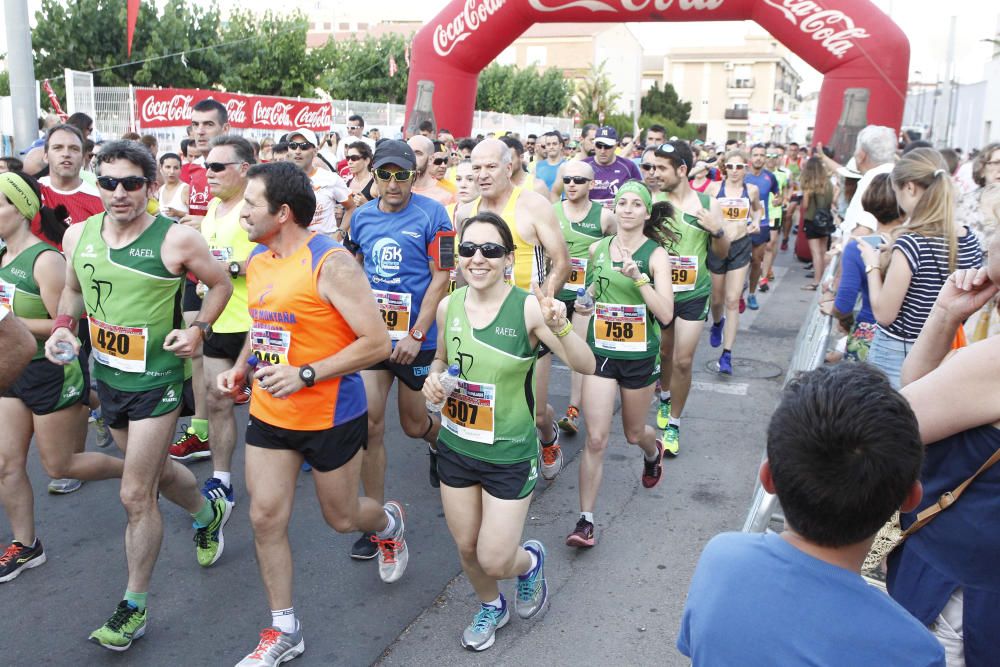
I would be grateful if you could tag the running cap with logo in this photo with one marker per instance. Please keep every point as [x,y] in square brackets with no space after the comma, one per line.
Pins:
[394,151]
[306,134]
[606,136]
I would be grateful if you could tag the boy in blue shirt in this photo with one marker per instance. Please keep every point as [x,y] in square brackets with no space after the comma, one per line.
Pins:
[843,453]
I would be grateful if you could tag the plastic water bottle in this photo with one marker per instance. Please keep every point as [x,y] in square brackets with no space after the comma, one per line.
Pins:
[584,300]
[65,352]
[449,380]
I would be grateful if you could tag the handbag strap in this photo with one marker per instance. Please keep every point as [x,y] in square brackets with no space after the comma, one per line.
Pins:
[948,498]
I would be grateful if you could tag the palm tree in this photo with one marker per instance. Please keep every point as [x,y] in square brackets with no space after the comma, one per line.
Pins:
[595,96]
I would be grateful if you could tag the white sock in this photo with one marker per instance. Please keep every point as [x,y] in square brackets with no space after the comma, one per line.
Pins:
[650,458]
[284,619]
[496,604]
[224,477]
[674,421]
[589,516]
[389,529]
[665,395]
[534,561]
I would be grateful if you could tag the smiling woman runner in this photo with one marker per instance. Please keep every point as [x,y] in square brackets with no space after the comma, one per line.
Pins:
[488,446]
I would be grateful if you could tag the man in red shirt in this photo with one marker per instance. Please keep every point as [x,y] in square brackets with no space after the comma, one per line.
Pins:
[64,154]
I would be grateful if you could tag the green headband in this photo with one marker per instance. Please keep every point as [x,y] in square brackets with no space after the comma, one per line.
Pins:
[636,188]
[20,194]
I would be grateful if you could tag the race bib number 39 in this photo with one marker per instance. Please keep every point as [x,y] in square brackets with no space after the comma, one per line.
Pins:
[620,328]
[735,209]
[683,272]
[271,345]
[469,410]
[122,348]
[395,309]
[7,295]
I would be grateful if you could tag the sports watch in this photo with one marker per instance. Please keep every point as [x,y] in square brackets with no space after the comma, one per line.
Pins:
[417,335]
[308,375]
[234,269]
[206,329]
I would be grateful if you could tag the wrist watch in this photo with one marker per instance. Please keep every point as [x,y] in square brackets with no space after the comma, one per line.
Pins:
[869,268]
[417,335]
[719,233]
[307,375]
[234,269]
[206,329]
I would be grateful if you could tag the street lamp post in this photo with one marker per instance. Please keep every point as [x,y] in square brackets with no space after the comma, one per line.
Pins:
[22,72]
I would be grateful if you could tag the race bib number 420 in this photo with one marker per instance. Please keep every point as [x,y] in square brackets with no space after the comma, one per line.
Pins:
[271,345]
[121,348]
[395,309]
[619,327]
[469,410]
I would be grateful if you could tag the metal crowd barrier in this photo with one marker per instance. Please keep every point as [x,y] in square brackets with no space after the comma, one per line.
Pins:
[810,350]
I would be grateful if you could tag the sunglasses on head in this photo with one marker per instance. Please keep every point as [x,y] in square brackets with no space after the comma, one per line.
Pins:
[730,165]
[579,180]
[352,158]
[218,166]
[398,176]
[296,145]
[440,160]
[488,250]
[772,155]
[130,183]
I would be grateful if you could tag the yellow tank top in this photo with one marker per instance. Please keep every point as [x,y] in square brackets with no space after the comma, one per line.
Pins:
[527,257]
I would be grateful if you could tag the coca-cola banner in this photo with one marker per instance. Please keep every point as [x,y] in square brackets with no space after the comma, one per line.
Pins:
[852,42]
[171,107]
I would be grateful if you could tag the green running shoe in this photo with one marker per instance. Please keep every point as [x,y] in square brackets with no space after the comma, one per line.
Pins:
[663,414]
[671,440]
[125,626]
[208,541]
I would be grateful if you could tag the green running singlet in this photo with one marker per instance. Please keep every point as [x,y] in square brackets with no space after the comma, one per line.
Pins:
[19,291]
[688,271]
[579,237]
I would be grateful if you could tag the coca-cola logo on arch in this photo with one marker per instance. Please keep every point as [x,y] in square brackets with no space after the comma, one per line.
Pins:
[474,15]
[624,5]
[170,107]
[835,30]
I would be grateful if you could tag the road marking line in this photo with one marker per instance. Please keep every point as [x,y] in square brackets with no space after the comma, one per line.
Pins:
[731,388]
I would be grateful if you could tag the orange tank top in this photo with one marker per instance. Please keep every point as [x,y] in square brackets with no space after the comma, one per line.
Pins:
[293,325]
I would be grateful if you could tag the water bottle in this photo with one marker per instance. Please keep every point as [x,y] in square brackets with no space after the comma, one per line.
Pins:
[584,300]
[64,352]
[449,380]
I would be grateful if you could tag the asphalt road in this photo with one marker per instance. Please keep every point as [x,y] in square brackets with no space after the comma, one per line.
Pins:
[617,604]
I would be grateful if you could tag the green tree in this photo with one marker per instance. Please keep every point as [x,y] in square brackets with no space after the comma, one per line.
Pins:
[510,89]
[665,103]
[595,96]
[267,55]
[4,83]
[359,69]
[496,90]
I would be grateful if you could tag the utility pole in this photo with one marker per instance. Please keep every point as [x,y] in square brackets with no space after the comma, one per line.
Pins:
[950,81]
[21,66]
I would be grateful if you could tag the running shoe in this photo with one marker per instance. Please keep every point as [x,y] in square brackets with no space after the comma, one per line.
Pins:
[16,558]
[209,542]
[243,397]
[582,535]
[532,592]
[125,626]
[433,471]
[364,548]
[552,457]
[671,440]
[726,363]
[570,422]
[274,648]
[482,632]
[392,553]
[101,431]
[61,487]
[770,275]
[715,336]
[663,414]
[763,285]
[652,471]
[189,447]
[743,305]
[306,467]
[752,302]
[214,488]
[784,245]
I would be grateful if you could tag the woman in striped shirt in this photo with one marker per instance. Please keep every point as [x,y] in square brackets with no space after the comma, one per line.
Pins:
[905,280]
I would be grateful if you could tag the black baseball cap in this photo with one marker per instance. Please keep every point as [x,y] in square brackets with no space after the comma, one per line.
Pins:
[393,151]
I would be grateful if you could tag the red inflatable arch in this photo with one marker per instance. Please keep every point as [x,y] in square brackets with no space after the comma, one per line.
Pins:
[862,53]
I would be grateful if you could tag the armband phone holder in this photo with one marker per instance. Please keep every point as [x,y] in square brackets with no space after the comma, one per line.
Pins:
[442,250]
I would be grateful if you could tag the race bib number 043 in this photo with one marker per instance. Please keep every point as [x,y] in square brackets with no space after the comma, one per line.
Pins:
[271,345]
[620,328]
[469,412]
[122,348]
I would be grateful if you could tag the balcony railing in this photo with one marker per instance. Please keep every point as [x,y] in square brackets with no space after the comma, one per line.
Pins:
[741,83]
[737,114]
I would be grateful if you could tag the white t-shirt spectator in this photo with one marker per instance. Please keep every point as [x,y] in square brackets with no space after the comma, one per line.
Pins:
[330,190]
[855,209]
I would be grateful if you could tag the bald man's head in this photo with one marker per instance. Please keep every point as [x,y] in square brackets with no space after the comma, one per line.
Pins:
[578,168]
[491,163]
[581,177]
[423,148]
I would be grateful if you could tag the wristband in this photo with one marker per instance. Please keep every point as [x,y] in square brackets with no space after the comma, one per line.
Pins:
[562,333]
[63,322]
[641,280]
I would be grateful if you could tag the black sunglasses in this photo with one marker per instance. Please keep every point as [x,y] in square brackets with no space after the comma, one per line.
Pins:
[579,180]
[646,166]
[440,160]
[219,166]
[130,183]
[352,158]
[398,176]
[488,250]
[296,145]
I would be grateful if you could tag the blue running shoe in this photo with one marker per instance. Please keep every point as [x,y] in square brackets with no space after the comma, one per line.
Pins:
[306,467]
[752,302]
[726,363]
[715,337]
[481,633]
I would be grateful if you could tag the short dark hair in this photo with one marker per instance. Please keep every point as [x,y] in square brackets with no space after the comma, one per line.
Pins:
[218,107]
[656,128]
[844,451]
[280,147]
[13,163]
[468,142]
[243,148]
[169,156]
[81,121]
[731,142]
[132,151]
[495,221]
[285,183]
[65,127]
[558,135]
[680,156]
[130,136]
[357,119]
[513,143]
[532,136]
[880,200]
[426,126]
[185,143]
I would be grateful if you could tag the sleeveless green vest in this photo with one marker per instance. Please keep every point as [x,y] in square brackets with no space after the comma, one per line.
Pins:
[579,237]
[20,292]
[688,270]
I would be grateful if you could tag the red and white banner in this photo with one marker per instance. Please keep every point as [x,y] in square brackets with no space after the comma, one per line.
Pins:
[171,107]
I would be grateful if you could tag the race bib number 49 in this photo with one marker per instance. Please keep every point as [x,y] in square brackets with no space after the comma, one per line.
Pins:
[395,309]
[620,328]
[683,272]
[469,410]
[735,209]
[271,345]
[122,348]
